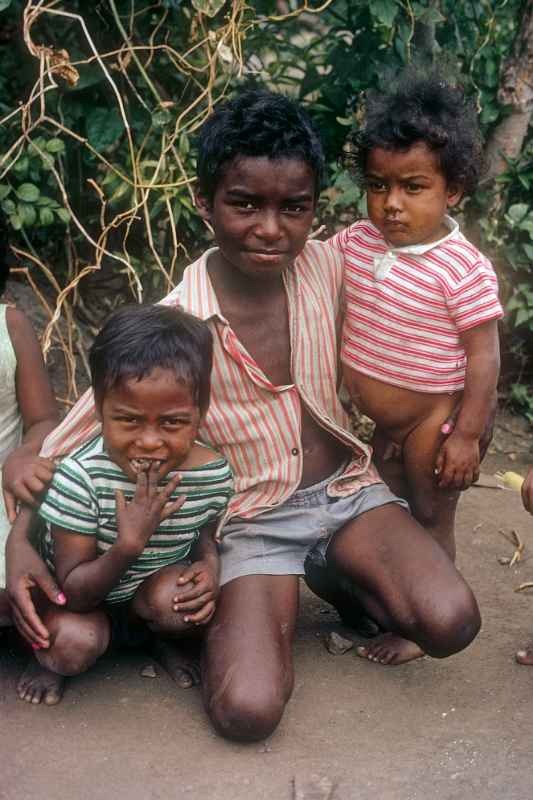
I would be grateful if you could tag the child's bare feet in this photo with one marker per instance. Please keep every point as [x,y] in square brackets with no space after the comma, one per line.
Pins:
[525,656]
[390,649]
[181,659]
[38,685]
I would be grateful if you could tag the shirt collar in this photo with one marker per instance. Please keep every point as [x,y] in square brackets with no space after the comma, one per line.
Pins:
[384,262]
[196,287]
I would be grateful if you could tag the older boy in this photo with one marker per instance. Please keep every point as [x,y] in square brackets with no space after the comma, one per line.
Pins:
[303,482]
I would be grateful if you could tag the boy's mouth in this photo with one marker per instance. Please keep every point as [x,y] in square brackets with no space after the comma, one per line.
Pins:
[139,465]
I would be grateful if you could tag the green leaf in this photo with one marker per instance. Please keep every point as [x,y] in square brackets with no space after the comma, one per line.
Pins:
[161,118]
[55,146]
[21,165]
[28,192]
[9,207]
[523,315]
[528,249]
[104,126]
[517,212]
[4,191]
[208,7]
[27,213]
[384,11]
[63,215]
[4,4]
[46,216]
[15,221]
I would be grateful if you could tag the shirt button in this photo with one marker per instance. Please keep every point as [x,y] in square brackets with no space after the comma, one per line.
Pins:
[295,451]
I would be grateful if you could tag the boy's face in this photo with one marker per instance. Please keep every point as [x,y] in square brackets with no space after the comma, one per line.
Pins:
[407,195]
[152,419]
[261,212]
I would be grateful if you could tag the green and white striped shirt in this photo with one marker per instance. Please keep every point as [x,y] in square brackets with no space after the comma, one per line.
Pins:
[81,498]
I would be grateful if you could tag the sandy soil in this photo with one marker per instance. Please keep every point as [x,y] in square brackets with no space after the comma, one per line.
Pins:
[442,729]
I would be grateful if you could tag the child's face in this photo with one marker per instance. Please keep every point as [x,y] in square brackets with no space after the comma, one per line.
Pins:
[261,212]
[152,419]
[407,195]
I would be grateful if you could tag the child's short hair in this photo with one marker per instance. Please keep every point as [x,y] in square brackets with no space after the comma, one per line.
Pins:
[256,123]
[422,108]
[137,339]
[4,266]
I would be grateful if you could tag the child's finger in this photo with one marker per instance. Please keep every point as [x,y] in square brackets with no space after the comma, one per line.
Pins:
[30,627]
[141,487]
[10,504]
[170,508]
[190,574]
[191,595]
[192,605]
[120,500]
[203,616]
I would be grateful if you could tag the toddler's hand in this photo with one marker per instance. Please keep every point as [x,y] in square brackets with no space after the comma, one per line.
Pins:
[457,462]
[527,491]
[138,519]
[199,599]
[24,479]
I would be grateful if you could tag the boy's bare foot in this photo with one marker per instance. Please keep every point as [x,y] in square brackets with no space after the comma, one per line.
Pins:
[525,656]
[181,659]
[390,649]
[38,685]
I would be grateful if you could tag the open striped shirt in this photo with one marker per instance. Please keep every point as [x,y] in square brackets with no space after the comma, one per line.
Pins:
[81,499]
[256,425]
[406,307]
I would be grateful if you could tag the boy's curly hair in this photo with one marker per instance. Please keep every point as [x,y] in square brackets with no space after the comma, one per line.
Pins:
[421,108]
[256,123]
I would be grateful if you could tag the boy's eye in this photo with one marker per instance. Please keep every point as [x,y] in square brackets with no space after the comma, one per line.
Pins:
[245,205]
[414,187]
[174,422]
[376,186]
[297,208]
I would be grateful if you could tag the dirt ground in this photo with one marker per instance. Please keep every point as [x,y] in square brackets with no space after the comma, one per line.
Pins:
[443,730]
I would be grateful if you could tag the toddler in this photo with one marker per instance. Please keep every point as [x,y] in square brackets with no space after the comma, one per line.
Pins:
[131,513]
[420,340]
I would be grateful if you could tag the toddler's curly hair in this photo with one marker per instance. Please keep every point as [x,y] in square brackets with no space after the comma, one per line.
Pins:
[421,108]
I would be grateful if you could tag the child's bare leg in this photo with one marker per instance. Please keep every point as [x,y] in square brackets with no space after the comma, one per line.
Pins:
[77,641]
[153,603]
[407,583]
[247,668]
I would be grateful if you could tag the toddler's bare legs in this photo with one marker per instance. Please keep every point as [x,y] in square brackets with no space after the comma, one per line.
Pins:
[412,476]
[5,610]
[153,604]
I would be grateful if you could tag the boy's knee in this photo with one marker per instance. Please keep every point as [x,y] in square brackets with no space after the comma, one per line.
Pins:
[154,604]
[75,647]
[455,624]
[246,716]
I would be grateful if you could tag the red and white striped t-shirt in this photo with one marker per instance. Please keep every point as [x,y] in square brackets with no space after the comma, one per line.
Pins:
[406,307]
[254,424]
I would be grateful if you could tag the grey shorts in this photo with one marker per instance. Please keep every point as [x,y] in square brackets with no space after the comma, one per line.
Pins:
[277,542]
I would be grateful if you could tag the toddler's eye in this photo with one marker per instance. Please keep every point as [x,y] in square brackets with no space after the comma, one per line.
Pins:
[245,205]
[414,187]
[376,186]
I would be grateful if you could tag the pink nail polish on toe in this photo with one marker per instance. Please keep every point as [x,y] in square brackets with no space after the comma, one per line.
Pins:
[446,428]
[61,598]
[36,646]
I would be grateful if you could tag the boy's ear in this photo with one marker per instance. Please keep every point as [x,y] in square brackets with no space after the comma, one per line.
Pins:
[203,206]
[455,195]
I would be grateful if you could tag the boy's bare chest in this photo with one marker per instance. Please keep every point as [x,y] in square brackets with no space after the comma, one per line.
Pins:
[264,333]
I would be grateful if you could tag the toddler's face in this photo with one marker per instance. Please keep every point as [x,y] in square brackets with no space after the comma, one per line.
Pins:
[147,420]
[407,195]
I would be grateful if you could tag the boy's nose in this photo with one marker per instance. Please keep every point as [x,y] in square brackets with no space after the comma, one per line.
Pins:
[149,440]
[268,227]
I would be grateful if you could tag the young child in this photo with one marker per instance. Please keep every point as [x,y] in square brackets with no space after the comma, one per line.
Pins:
[420,336]
[28,412]
[131,509]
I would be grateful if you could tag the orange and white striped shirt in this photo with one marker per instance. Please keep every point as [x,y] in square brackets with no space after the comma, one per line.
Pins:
[254,424]
[406,307]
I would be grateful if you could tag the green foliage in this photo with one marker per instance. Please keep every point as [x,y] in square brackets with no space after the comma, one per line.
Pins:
[131,185]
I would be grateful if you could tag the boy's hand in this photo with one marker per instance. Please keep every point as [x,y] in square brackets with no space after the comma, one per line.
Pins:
[457,462]
[199,599]
[527,491]
[25,476]
[138,519]
[26,571]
